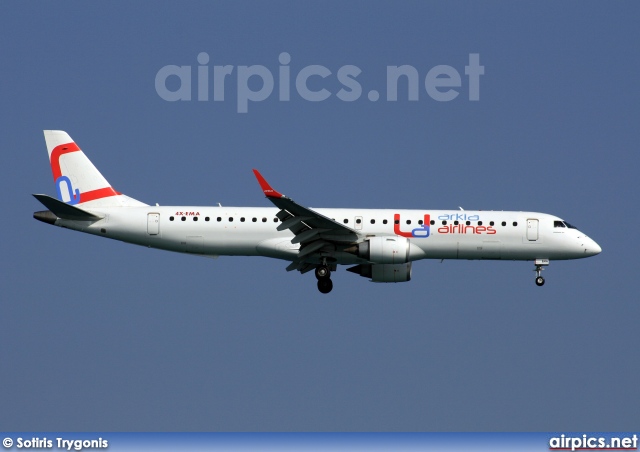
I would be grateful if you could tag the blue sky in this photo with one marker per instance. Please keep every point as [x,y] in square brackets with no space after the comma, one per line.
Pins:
[99,335]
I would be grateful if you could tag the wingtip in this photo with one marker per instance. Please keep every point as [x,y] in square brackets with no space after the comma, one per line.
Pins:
[269,192]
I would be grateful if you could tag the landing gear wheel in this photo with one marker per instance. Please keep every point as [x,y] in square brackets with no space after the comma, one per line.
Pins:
[323,272]
[325,285]
[540,264]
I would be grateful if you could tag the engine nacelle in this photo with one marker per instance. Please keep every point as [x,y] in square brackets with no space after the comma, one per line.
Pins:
[384,272]
[387,250]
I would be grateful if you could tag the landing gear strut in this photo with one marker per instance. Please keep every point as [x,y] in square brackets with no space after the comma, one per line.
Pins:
[324,278]
[539,263]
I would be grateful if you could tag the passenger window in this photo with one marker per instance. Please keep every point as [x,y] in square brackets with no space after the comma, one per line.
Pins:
[358,221]
[219,219]
[264,219]
[195,218]
[396,221]
[254,219]
[432,222]
[373,221]
[275,220]
[504,223]
[206,218]
[184,218]
[170,218]
[444,222]
[384,221]
[420,222]
[491,223]
[230,219]
[408,221]
[242,219]
[346,221]
[515,223]
[479,223]
[468,223]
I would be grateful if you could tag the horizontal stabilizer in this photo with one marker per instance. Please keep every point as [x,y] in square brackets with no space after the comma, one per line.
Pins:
[66,211]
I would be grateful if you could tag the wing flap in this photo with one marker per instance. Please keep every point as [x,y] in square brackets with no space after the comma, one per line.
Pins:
[292,222]
[308,235]
[311,248]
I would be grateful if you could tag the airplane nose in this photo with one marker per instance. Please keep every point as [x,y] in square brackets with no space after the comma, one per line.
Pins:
[592,248]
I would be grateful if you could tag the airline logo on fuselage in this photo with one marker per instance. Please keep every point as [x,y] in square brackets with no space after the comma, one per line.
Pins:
[461,227]
[422,232]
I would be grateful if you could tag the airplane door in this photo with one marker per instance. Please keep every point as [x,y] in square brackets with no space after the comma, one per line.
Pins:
[532,229]
[358,223]
[153,223]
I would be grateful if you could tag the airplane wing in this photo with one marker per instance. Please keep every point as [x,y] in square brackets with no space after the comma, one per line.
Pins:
[317,235]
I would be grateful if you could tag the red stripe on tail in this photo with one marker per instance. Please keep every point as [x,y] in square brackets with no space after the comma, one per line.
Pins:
[98,194]
[57,152]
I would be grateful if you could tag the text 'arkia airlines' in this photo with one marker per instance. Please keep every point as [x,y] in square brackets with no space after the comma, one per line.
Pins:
[380,244]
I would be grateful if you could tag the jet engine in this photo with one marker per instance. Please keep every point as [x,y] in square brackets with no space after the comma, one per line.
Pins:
[384,272]
[387,250]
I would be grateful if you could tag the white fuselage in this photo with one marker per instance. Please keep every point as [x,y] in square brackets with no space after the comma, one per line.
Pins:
[251,231]
[381,244]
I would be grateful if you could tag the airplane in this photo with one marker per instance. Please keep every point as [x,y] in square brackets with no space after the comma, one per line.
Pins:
[380,244]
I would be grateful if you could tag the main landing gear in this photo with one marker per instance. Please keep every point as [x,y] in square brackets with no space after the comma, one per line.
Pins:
[539,263]
[323,273]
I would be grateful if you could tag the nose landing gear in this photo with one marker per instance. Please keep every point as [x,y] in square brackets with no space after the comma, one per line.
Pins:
[323,274]
[539,263]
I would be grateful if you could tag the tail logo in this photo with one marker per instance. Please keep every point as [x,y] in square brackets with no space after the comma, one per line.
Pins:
[66,191]
[73,197]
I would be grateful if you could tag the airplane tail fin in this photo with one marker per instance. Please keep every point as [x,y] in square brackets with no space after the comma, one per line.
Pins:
[78,181]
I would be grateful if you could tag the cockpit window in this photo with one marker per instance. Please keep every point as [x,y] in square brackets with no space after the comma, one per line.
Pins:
[563,224]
